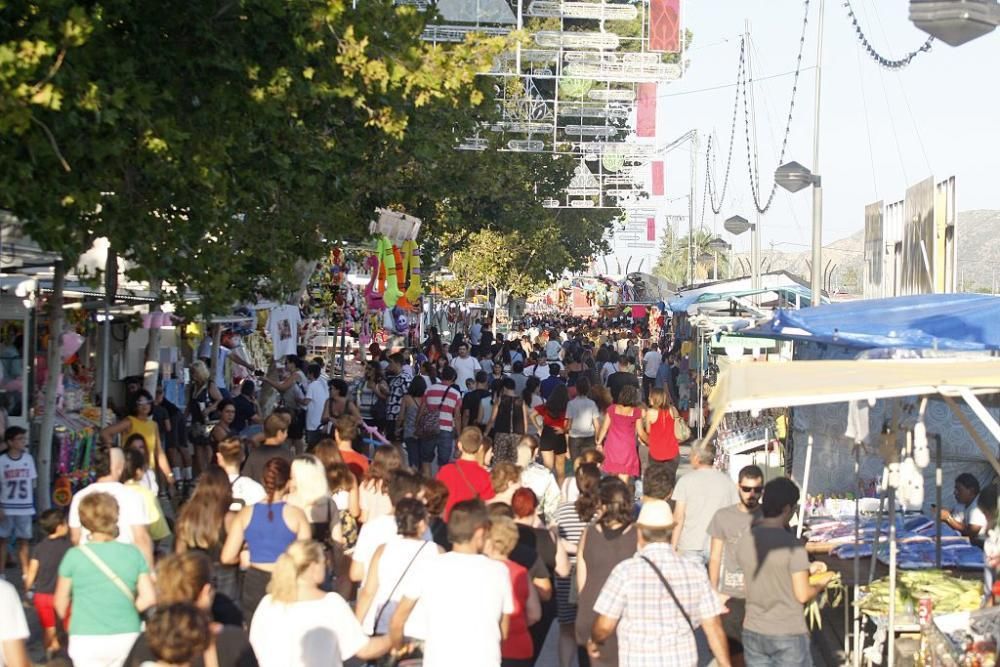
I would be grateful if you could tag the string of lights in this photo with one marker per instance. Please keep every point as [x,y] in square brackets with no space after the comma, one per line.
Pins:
[751,144]
[887,63]
[716,209]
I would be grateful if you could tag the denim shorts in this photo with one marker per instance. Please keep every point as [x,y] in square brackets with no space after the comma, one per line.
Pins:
[15,527]
[776,650]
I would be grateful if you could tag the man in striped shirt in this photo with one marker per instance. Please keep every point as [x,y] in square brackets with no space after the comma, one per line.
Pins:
[446,398]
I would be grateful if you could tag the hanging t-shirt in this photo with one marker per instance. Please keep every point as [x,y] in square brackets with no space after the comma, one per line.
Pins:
[283,328]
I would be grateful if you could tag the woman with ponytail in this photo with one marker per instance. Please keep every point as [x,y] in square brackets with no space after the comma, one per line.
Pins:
[607,541]
[267,528]
[298,623]
[570,521]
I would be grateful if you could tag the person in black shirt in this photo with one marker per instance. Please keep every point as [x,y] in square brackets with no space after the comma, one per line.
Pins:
[472,399]
[247,412]
[186,578]
[624,377]
[43,573]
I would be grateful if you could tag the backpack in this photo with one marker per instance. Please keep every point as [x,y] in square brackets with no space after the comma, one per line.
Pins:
[429,420]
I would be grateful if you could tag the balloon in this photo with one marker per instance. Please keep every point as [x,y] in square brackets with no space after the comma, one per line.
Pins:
[71,342]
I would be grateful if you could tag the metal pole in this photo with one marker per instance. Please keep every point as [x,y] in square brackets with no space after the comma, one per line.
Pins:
[755,258]
[805,488]
[105,358]
[817,229]
[891,659]
[858,644]
[938,478]
[691,197]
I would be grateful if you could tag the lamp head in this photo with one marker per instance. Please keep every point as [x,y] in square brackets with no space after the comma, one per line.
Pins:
[793,176]
[736,225]
[955,22]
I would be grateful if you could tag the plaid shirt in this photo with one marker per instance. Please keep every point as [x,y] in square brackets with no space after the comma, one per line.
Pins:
[651,630]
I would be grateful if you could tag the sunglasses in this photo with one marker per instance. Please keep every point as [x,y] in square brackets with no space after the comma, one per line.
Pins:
[757,490]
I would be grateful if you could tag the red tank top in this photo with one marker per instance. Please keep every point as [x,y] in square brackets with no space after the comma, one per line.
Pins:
[662,441]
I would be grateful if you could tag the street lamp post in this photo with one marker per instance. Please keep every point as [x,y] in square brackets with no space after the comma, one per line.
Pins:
[717,245]
[955,22]
[794,177]
[737,225]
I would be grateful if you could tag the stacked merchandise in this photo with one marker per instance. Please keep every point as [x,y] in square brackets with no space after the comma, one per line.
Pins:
[914,537]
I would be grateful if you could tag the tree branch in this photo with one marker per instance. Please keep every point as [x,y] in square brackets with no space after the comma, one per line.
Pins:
[52,142]
[52,72]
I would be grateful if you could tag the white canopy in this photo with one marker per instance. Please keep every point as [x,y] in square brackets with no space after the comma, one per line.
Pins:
[756,386]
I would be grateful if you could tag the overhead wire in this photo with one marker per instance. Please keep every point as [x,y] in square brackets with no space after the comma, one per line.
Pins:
[892,124]
[770,132]
[754,175]
[868,125]
[906,98]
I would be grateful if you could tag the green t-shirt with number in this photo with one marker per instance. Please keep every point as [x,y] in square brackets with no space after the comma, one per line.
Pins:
[99,607]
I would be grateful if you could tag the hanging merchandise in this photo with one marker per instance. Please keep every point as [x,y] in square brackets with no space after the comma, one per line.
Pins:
[411,263]
[283,328]
[389,273]
[373,298]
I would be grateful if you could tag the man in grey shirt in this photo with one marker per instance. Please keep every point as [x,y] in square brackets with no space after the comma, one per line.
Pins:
[727,527]
[776,574]
[699,495]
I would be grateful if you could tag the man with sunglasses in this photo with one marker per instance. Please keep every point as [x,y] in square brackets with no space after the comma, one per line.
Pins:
[727,527]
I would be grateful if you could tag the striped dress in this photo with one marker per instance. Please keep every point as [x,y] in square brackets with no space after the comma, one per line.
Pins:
[570,528]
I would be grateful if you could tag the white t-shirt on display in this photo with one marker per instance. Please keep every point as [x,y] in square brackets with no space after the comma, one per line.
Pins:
[14,625]
[131,509]
[317,394]
[582,412]
[465,597]
[283,328]
[311,633]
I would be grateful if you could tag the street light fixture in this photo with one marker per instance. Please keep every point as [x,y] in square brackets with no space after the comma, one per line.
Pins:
[718,244]
[737,225]
[793,177]
[955,22]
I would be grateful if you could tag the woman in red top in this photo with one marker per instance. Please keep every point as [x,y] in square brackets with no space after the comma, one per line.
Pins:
[554,428]
[656,431]
[517,649]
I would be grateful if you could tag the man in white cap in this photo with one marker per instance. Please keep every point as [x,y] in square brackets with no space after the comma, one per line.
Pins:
[656,599]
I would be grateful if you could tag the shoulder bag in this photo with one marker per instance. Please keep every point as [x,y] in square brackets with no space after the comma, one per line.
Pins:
[381,609]
[670,590]
[429,421]
[107,572]
[681,430]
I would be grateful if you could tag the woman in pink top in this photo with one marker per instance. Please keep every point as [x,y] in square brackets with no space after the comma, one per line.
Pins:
[618,433]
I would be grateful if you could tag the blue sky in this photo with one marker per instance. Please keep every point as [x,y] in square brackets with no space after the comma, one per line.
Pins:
[937,117]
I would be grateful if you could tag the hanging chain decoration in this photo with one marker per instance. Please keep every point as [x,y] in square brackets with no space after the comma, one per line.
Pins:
[752,151]
[716,209]
[887,63]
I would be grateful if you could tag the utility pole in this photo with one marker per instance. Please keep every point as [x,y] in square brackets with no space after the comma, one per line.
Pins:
[817,226]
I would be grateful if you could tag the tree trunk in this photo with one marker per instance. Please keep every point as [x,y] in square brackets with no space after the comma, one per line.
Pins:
[54,365]
[151,368]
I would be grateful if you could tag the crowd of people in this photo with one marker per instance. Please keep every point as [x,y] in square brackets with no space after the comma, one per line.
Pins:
[452,505]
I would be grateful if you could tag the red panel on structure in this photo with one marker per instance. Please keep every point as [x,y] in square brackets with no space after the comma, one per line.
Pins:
[645,125]
[657,178]
[650,229]
[664,25]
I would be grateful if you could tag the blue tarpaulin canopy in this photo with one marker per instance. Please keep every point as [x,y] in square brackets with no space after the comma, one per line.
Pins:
[967,322]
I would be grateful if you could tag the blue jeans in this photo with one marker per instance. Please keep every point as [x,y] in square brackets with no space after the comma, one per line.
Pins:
[445,448]
[776,650]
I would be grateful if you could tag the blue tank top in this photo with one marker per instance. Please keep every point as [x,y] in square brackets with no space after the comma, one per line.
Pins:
[267,539]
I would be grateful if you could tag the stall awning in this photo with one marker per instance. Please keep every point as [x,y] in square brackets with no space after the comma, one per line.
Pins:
[759,386]
[928,321]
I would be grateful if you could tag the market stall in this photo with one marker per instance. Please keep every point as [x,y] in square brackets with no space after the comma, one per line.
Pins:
[755,387]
